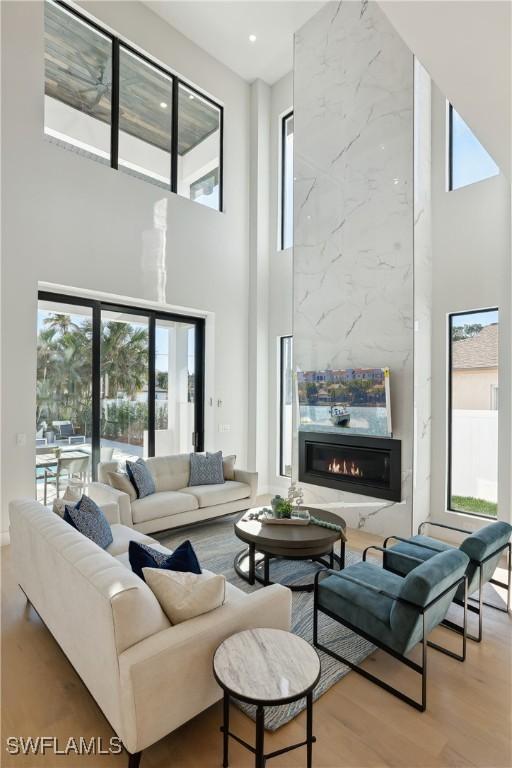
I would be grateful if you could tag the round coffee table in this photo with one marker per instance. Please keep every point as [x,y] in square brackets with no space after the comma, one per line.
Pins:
[266,667]
[290,542]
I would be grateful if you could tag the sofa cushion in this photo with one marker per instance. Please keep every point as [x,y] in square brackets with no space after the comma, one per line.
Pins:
[144,556]
[121,482]
[420,547]
[162,505]
[89,520]
[170,472]
[210,495]
[365,608]
[486,541]
[122,535]
[141,478]
[206,469]
[228,464]
[185,595]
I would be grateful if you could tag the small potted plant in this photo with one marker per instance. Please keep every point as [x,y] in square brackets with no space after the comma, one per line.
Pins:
[283,509]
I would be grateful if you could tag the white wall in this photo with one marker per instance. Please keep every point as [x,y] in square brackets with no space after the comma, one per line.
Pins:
[280,278]
[465,46]
[471,270]
[75,222]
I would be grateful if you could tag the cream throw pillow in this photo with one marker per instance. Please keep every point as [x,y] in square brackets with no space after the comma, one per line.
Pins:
[121,482]
[228,463]
[185,595]
[71,496]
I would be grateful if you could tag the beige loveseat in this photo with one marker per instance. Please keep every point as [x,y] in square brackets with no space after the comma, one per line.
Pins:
[147,676]
[175,503]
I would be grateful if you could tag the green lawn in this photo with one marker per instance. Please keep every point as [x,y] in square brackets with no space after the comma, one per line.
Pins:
[474,506]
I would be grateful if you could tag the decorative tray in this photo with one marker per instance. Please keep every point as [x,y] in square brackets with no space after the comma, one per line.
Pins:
[284,521]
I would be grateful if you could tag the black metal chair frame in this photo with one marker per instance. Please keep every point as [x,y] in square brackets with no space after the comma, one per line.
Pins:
[479,564]
[419,668]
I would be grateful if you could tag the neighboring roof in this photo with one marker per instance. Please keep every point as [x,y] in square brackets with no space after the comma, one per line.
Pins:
[479,351]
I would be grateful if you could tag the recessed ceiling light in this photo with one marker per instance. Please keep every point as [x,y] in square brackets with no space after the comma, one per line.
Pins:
[252,38]
[191,95]
[163,104]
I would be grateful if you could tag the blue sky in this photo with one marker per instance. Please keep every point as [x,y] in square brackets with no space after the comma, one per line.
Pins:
[483,318]
[470,161]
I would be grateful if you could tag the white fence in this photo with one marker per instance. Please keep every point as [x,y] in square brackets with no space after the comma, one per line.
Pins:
[475,454]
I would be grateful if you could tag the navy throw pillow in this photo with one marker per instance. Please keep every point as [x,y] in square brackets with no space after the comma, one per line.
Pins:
[88,518]
[182,559]
[141,478]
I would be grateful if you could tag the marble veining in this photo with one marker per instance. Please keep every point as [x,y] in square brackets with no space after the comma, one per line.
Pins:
[354,218]
[266,664]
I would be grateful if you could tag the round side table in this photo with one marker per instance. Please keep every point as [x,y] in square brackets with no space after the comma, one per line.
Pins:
[266,667]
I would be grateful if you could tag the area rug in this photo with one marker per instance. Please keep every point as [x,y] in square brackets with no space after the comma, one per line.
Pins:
[216,546]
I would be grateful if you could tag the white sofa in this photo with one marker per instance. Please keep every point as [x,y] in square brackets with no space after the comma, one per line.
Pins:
[147,676]
[175,503]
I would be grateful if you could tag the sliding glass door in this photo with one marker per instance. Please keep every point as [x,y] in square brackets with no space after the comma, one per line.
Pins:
[113,383]
[175,387]
[124,382]
[63,396]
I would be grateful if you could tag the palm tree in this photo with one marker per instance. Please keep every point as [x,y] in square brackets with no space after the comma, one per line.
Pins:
[124,359]
[61,323]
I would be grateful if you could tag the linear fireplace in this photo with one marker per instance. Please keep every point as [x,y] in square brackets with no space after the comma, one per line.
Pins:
[354,463]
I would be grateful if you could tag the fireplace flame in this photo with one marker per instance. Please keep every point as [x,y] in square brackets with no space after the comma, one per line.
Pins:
[345,468]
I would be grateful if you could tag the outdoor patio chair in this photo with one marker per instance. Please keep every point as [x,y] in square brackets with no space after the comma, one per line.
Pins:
[74,470]
[394,613]
[483,547]
[65,431]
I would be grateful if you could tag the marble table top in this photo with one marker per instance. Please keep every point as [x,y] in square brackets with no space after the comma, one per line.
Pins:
[266,665]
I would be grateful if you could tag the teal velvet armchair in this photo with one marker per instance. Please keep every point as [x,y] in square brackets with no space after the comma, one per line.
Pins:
[394,613]
[484,549]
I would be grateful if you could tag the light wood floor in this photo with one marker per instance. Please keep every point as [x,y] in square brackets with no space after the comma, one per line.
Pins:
[357,724]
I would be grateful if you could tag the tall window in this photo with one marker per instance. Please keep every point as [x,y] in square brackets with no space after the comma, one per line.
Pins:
[469,162]
[473,414]
[78,83]
[105,100]
[198,148]
[287,181]
[286,405]
[113,383]
[145,119]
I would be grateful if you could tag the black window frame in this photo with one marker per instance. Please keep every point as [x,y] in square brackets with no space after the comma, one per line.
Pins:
[450,147]
[284,120]
[449,494]
[117,44]
[97,306]
[282,341]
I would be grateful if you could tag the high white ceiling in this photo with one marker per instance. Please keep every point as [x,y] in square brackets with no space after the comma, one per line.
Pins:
[465,46]
[223,28]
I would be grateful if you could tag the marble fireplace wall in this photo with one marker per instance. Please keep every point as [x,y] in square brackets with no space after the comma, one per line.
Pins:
[353,230]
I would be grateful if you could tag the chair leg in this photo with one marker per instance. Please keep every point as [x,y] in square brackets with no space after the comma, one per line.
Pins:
[424,649]
[134,759]
[421,706]
[459,630]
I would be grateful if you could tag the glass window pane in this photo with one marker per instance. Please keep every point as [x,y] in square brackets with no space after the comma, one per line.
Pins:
[78,83]
[470,162]
[124,386]
[198,148]
[287,183]
[286,405]
[63,399]
[474,413]
[145,111]
[175,390]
